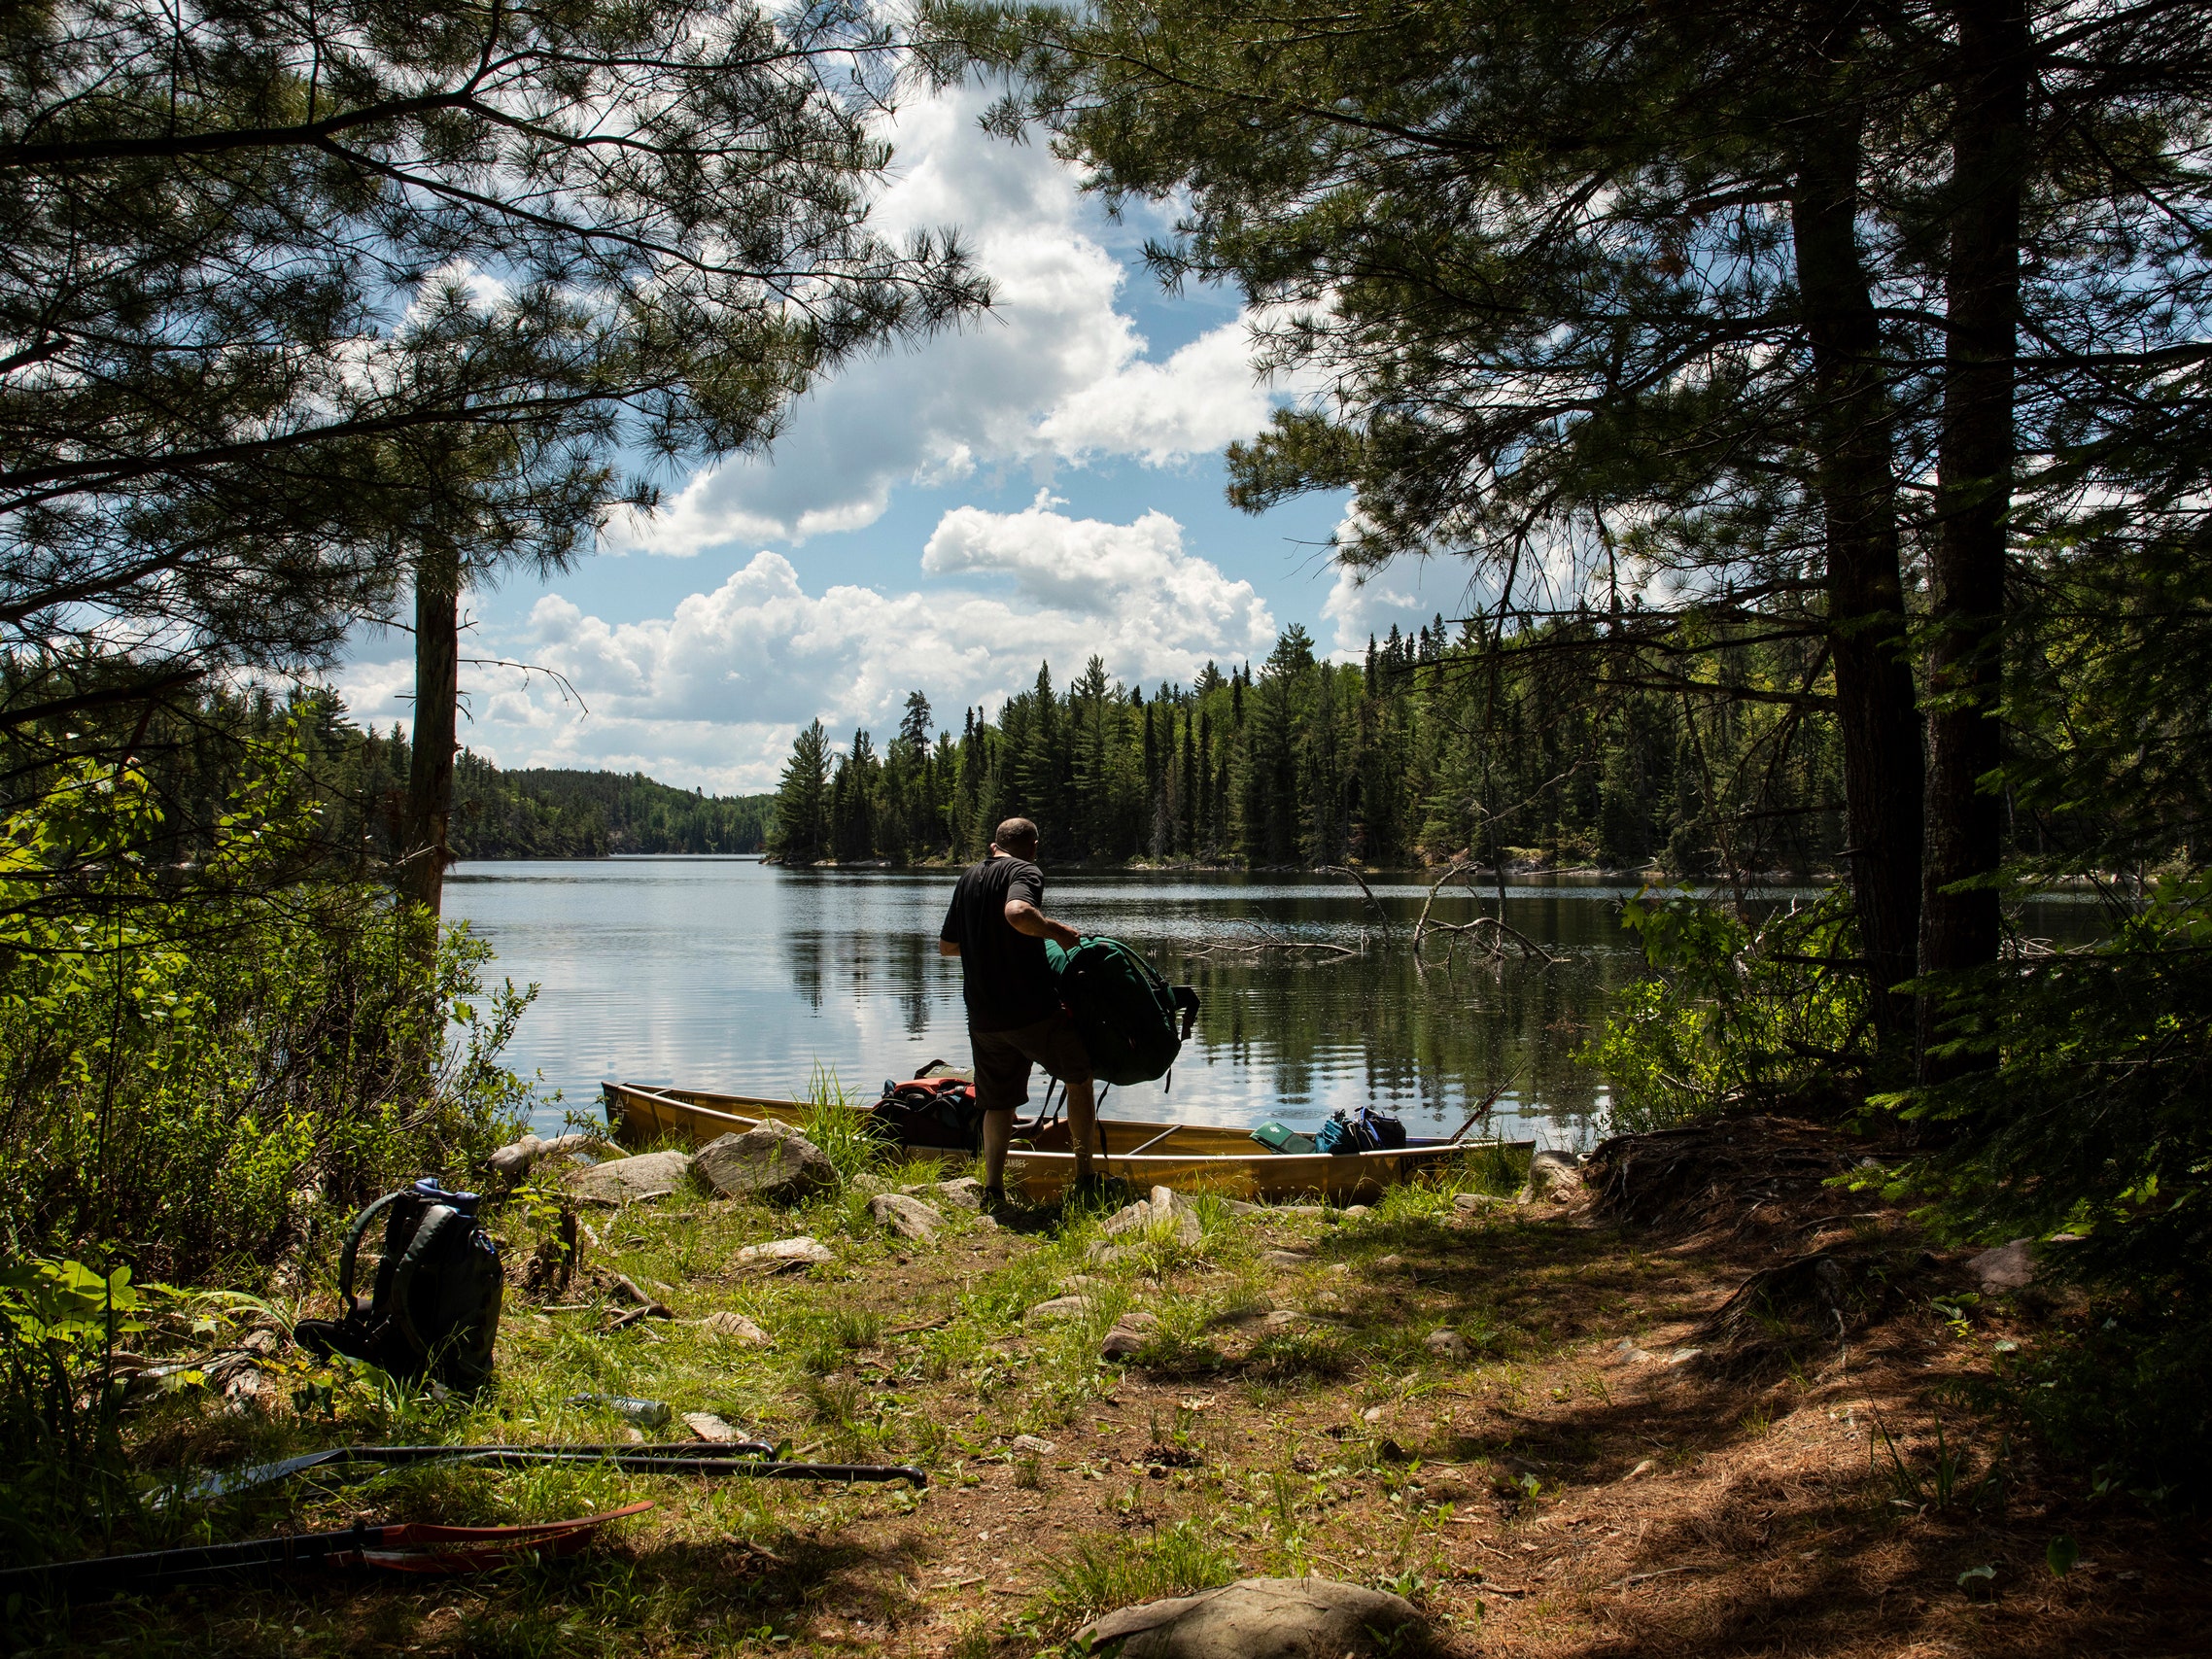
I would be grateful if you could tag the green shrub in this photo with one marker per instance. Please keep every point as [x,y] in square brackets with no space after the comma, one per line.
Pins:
[193,1064]
[62,1470]
[2087,1111]
[1732,1015]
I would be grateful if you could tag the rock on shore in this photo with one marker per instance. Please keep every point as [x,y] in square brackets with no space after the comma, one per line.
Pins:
[770,1161]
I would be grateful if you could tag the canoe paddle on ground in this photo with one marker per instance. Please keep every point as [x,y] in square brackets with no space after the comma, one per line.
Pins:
[752,1460]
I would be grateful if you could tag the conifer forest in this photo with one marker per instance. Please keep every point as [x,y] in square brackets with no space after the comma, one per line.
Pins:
[1423,753]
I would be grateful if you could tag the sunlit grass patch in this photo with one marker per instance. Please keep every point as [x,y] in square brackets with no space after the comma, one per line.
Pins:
[1303,1356]
[838,1123]
[1104,1571]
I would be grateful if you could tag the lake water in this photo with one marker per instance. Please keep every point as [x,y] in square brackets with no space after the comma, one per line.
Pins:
[727,974]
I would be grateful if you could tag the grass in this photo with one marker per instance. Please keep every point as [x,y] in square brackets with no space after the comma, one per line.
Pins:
[1110,1570]
[1230,1446]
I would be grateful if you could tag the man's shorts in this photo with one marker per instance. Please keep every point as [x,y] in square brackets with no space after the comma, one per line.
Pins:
[1003,1059]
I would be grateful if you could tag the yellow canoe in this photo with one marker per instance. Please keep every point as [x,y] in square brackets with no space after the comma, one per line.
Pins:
[1187,1157]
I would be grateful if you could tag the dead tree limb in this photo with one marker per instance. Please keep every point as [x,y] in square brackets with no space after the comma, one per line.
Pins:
[1347,870]
[1528,947]
[1421,926]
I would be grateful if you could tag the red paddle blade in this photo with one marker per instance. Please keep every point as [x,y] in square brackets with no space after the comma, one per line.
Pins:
[425,1548]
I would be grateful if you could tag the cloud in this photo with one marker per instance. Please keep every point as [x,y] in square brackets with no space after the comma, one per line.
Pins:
[1409,593]
[1084,565]
[1052,374]
[712,694]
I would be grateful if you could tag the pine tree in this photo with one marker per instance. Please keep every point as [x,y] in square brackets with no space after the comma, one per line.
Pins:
[801,834]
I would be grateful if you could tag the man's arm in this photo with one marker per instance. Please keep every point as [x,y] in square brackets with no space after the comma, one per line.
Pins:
[1025,917]
[948,935]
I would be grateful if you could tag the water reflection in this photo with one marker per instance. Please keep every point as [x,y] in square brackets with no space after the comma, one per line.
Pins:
[724,974]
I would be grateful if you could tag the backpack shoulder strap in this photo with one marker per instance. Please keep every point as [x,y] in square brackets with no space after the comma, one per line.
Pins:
[353,1245]
[1187,1000]
[429,1235]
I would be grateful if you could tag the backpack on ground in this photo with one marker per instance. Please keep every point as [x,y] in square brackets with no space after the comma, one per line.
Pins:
[434,1308]
[1366,1130]
[1124,1011]
[927,1111]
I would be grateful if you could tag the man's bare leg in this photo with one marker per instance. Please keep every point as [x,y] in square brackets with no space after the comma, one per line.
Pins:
[998,1132]
[1082,1124]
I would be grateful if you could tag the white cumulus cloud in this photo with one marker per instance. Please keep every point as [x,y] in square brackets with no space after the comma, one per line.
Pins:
[1053,374]
[712,694]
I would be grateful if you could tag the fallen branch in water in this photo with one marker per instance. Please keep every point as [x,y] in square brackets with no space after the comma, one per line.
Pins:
[1345,870]
[1254,947]
[1528,946]
[1268,942]
[1421,927]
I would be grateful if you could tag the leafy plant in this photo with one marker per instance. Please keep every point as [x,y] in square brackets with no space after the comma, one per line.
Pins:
[200,1062]
[62,1470]
[1734,1012]
[2092,1123]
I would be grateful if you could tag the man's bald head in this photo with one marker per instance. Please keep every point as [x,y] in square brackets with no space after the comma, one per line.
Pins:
[1018,836]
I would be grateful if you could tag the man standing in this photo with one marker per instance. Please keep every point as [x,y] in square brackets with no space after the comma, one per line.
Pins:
[997,926]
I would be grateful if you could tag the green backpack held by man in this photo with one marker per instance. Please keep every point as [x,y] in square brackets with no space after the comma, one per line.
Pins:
[1132,1023]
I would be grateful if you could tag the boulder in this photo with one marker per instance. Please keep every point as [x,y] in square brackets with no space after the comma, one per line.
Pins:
[1446,1344]
[1128,1334]
[964,1192]
[1164,1207]
[628,1180]
[1261,1619]
[735,1328]
[1477,1202]
[1554,1177]
[909,1217]
[1059,1307]
[784,1255]
[2008,1267]
[517,1159]
[771,1161]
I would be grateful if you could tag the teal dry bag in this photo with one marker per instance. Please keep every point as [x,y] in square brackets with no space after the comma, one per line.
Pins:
[1131,1020]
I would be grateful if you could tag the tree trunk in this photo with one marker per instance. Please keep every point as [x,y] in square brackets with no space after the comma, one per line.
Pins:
[429,769]
[1876,713]
[1959,930]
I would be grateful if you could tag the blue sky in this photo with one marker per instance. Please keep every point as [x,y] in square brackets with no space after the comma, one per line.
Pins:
[1044,484]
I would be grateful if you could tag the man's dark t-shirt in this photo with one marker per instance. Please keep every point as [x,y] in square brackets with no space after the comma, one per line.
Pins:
[1004,974]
